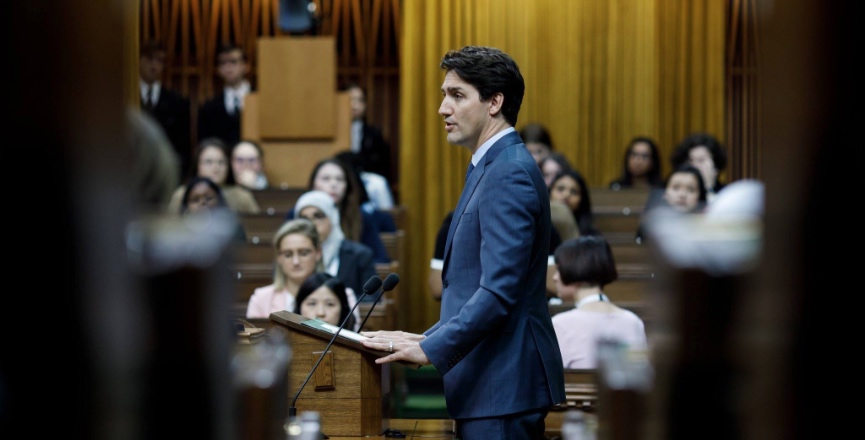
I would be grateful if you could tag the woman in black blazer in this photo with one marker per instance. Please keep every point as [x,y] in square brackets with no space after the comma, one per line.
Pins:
[350,261]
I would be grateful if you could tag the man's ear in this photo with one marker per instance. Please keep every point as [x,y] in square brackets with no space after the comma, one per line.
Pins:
[496,103]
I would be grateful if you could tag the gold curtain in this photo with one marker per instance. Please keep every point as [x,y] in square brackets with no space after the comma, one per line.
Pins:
[597,74]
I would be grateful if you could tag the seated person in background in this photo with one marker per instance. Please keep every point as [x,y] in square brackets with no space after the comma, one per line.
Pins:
[336,179]
[641,166]
[706,153]
[297,249]
[683,192]
[584,266]
[247,165]
[201,197]
[211,160]
[554,164]
[348,260]
[434,278]
[538,141]
[367,140]
[376,186]
[323,296]
[570,188]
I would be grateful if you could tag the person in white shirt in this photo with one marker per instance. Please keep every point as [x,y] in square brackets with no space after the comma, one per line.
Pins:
[220,115]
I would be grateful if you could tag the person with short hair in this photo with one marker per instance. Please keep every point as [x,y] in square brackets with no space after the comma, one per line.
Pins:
[219,116]
[584,266]
[167,106]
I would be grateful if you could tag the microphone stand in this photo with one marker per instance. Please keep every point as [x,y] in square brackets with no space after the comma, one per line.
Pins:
[389,284]
[372,284]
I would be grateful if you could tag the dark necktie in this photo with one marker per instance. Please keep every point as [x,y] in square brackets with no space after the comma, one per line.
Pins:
[148,98]
[469,171]
[236,104]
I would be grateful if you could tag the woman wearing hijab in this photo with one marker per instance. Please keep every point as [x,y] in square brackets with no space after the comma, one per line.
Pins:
[350,261]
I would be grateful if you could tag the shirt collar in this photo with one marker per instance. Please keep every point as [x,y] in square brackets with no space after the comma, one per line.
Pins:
[476,158]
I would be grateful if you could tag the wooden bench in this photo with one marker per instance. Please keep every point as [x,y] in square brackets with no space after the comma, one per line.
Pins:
[395,245]
[261,227]
[581,394]
[623,201]
[276,201]
[631,253]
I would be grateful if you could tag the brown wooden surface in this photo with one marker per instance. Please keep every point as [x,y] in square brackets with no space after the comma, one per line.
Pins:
[624,201]
[354,405]
[617,222]
[395,245]
[276,199]
[296,79]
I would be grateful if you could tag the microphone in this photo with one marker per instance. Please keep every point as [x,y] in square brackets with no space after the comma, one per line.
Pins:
[371,285]
[390,283]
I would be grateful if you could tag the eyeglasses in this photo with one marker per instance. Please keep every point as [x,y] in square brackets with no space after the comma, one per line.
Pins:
[642,155]
[301,253]
[212,162]
[246,160]
[229,61]
[315,217]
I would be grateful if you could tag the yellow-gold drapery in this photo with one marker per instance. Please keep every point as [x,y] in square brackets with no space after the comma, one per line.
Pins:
[597,74]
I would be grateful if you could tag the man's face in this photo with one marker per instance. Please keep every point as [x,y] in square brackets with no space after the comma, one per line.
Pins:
[231,67]
[465,114]
[150,67]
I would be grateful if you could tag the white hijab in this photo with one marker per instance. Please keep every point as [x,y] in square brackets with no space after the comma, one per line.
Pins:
[330,245]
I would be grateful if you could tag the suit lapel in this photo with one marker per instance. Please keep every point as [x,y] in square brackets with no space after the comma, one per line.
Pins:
[471,185]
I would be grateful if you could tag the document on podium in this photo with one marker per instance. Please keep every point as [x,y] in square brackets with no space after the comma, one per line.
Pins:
[330,328]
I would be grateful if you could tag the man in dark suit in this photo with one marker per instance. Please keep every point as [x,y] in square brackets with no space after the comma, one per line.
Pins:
[168,107]
[220,116]
[367,140]
[494,343]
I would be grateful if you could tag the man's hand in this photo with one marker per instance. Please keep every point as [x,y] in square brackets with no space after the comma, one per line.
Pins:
[403,346]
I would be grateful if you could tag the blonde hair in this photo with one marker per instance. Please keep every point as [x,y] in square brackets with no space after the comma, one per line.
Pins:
[300,226]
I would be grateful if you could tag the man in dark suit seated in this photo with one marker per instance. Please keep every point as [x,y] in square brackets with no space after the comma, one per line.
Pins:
[220,115]
[168,107]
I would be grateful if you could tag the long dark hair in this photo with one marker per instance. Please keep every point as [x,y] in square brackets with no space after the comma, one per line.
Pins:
[583,213]
[335,285]
[653,176]
[349,207]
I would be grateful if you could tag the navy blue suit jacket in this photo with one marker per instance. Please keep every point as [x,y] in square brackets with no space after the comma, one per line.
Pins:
[494,343]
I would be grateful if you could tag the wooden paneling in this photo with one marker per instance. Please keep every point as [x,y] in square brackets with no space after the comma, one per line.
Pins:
[366,35]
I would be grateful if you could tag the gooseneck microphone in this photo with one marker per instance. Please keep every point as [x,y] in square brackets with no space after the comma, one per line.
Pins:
[389,283]
[371,285]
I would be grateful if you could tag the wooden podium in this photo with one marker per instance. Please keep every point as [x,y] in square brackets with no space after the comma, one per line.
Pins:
[349,390]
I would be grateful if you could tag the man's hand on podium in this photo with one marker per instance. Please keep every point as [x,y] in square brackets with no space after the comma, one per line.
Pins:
[403,346]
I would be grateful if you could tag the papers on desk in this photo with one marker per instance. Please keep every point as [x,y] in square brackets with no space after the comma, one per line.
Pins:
[330,328]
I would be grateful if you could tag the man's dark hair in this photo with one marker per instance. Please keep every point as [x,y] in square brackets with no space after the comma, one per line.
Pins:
[150,48]
[490,71]
[230,47]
